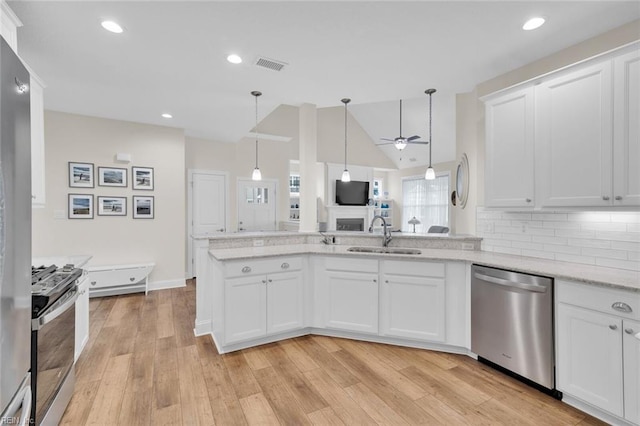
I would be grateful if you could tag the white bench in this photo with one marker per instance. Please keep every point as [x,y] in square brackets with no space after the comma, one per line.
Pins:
[109,280]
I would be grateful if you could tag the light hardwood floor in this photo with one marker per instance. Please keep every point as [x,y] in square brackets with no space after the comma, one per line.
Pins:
[143,366]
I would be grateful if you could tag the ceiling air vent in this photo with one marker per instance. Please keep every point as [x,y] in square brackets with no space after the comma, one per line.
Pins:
[272,64]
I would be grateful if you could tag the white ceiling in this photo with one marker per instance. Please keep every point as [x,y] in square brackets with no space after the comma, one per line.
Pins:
[172,57]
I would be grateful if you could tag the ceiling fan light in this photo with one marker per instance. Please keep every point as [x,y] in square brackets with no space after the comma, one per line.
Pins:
[400,144]
[533,23]
[430,174]
[346,177]
[256,175]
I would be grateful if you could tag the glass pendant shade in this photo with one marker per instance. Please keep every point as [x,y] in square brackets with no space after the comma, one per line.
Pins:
[400,145]
[346,177]
[256,175]
[430,174]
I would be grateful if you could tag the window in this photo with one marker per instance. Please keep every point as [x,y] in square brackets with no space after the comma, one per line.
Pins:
[427,200]
[294,184]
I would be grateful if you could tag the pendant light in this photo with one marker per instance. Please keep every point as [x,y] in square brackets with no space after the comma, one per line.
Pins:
[346,177]
[256,175]
[430,173]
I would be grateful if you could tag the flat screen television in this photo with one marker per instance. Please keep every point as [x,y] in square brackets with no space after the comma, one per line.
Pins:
[354,193]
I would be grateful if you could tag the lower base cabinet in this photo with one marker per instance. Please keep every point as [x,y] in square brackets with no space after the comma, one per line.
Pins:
[260,305]
[412,300]
[82,316]
[598,347]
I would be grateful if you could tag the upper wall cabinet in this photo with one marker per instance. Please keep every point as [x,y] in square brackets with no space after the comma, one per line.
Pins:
[509,149]
[568,139]
[574,138]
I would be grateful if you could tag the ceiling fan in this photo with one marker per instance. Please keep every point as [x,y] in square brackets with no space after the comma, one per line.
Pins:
[401,142]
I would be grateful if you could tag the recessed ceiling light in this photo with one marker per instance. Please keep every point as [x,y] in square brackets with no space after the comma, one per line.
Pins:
[167,115]
[112,26]
[234,59]
[533,23]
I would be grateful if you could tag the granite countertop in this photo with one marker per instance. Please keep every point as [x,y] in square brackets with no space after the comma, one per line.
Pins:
[596,275]
[78,261]
[337,234]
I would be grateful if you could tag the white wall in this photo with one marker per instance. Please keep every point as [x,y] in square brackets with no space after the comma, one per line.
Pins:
[114,239]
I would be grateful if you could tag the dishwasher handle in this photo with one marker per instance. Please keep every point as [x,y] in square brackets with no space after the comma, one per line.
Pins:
[514,284]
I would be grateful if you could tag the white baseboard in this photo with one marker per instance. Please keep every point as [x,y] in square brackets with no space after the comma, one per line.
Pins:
[202,328]
[162,285]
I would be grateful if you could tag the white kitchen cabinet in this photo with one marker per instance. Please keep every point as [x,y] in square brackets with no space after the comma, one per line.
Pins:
[598,353]
[82,316]
[265,302]
[590,357]
[574,137]
[509,167]
[412,300]
[631,355]
[350,290]
[626,133]
[9,24]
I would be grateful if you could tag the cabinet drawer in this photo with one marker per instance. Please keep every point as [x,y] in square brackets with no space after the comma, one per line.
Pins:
[601,299]
[243,268]
[351,264]
[117,277]
[423,269]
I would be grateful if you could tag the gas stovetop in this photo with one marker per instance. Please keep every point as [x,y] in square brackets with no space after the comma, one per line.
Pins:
[48,283]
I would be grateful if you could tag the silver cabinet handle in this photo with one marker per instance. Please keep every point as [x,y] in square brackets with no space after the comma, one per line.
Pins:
[628,330]
[285,265]
[621,307]
[375,281]
[528,200]
[613,327]
[606,198]
[264,281]
[220,230]
[386,281]
[618,197]
[270,280]
[246,269]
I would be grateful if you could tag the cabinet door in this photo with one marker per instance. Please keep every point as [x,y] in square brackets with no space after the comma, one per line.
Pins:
[574,138]
[631,349]
[82,316]
[284,302]
[245,302]
[626,133]
[352,301]
[412,306]
[509,150]
[590,357]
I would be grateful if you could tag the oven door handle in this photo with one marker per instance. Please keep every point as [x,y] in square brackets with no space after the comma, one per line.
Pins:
[515,284]
[57,309]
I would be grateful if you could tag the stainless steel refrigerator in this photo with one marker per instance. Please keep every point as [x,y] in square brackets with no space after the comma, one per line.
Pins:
[15,239]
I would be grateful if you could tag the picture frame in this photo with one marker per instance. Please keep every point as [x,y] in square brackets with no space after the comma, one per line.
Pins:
[80,206]
[80,175]
[112,176]
[143,207]
[112,206]
[142,178]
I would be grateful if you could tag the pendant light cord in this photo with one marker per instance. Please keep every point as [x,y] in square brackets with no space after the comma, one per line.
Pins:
[430,138]
[345,135]
[256,130]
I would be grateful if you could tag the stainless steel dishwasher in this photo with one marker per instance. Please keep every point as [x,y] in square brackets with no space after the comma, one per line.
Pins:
[512,324]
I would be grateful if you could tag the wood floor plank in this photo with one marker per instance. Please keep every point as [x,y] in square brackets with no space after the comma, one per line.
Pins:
[327,362]
[137,401]
[108,400]
[258,411]
[165,320]
[166,381]
[79,407]
[374,406]
[242,378]
[441,411]
[255,358]
[298,356]
[328,343]
[194,396]
[280,398]
[92,367]
[325,417]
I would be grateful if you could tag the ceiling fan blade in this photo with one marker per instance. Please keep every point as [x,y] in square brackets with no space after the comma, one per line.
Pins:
[412,138]
[385,139]
[419,143]
[385,143]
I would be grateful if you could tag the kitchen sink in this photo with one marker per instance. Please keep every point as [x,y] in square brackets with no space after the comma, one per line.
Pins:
[384,250]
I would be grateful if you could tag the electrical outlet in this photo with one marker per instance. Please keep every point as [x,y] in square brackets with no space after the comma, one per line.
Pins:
[258,243]
[467,246]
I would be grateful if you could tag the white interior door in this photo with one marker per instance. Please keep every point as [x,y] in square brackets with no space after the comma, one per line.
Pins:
[209,203]
[256,205]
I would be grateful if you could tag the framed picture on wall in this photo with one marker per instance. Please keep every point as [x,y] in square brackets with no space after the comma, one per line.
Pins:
[112,176]
[142,178]
[143,207]
[80,175]
[112,206]
[80,206]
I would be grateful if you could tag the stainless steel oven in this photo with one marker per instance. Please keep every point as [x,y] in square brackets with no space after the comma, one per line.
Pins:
[53,345]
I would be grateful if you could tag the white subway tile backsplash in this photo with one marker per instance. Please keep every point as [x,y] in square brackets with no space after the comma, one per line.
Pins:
[609,239]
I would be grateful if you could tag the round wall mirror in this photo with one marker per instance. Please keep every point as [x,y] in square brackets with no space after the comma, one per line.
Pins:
[462,181]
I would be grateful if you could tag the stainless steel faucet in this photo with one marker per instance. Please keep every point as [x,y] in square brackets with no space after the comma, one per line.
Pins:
[386,236]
